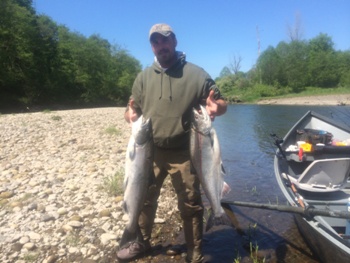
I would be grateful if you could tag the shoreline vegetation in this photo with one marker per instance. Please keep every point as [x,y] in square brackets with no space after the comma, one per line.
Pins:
[315,100]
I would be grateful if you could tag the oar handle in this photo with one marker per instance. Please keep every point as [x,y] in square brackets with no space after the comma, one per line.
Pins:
[297,195]
[307,212]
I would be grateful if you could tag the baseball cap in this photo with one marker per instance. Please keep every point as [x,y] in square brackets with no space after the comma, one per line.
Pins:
[162,29]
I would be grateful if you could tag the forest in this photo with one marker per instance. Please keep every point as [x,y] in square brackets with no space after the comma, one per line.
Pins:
[290,67]
[44,64]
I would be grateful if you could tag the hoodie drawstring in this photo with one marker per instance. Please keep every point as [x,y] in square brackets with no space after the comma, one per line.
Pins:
[181,59]
[161,87]
[170,90]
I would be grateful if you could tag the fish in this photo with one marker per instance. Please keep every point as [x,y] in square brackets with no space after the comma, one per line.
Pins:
[138,177]
[206,160]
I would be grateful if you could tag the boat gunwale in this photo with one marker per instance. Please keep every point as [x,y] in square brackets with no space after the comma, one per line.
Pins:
[315,223]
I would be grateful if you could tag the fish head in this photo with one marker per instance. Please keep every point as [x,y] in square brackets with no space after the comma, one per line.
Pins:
[142,130]
[200,120]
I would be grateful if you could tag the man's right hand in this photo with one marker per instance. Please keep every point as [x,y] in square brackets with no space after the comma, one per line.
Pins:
[131,114]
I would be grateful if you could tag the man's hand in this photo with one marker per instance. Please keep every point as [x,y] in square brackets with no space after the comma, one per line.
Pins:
[215,107]
[211,105]
[131,114]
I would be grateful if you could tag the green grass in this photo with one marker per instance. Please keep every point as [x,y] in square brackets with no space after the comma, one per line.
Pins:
[112,130]
[30,257]
[254,253]
[253,247]
[56,118]
[313,91]
[113,185]
[254,191]
[72,240]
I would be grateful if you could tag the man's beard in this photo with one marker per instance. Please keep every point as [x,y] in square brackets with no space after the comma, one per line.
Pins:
[164,56]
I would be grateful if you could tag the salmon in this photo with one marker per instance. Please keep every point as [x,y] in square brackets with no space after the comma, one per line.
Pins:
[138,177]
[206,161]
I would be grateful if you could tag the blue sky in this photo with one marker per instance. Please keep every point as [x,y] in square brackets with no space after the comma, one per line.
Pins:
[211,33]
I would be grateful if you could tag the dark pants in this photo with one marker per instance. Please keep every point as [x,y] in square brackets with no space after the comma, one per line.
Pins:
[177,164]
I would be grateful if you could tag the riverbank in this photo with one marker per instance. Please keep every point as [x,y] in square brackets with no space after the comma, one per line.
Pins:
[334,100]
[54,204]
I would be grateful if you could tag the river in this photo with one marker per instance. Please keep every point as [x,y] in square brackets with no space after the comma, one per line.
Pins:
[247,154]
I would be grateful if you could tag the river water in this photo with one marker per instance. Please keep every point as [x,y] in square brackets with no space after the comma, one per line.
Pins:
[247,154]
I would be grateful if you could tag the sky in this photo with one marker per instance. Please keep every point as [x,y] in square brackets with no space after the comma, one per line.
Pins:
[211,33]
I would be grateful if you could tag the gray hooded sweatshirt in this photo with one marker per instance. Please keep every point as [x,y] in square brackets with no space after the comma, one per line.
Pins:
[168,96]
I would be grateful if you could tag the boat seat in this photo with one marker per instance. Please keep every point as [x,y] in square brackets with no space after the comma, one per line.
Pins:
[325,175]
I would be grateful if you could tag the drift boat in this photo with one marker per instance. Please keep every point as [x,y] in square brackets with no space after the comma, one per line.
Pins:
[312,167]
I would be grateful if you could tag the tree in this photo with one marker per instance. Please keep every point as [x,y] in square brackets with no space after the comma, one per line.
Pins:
[344,67]
[295,65]
[269,65]
[235,64]
[284,65]
[324,70]
[225,72]
[45,63]
[17,38]
[295,33]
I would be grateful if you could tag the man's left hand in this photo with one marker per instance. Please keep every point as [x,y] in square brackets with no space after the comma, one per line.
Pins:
[211,105]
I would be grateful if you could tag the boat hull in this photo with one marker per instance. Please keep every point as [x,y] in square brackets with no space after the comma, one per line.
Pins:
[327,249]
[324,235]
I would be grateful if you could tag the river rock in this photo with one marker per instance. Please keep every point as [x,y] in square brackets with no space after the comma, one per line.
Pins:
[54,201]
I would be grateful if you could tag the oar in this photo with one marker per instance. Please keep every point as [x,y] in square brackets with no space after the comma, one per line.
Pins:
[307,212]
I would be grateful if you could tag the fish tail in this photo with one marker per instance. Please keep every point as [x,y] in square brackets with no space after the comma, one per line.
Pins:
[213,220]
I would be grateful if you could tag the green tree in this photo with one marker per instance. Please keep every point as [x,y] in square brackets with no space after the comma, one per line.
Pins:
[343,59]
[323,64]
[295,65]
[45,56]
[225,72]
[269,65]
[122,74]
[17,37]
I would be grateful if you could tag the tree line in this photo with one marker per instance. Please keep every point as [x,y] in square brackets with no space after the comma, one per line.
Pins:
[43,63]
[290,67]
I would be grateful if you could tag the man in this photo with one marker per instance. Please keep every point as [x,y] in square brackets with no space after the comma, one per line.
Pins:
[166,92]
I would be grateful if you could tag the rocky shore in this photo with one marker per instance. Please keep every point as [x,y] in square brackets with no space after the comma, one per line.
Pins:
[58,174]
[56,170]
[334,100]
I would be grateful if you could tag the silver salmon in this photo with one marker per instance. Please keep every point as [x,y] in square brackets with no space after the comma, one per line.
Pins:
[138,177]
[206,160]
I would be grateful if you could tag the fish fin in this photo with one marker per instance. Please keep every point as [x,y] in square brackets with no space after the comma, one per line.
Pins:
[213,138]
[125,182]
[225,189]
[131,150]
[223,171]
[129,236]
[125,207]
[223,219]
